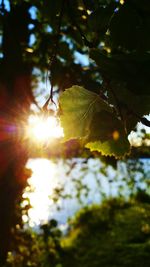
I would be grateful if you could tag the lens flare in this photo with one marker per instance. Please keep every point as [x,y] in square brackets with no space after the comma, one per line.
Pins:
[43,129]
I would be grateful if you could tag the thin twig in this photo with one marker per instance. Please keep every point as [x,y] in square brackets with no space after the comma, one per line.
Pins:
[73,20]
[52,60]
[116,101]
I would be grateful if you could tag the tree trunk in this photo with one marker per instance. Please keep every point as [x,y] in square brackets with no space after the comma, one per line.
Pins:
[15,92]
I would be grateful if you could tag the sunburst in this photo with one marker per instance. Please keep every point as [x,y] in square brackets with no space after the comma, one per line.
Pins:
[41,129]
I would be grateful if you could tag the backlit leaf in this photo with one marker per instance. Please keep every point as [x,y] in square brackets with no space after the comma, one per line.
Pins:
[117,147]
[84,115]
[78,107]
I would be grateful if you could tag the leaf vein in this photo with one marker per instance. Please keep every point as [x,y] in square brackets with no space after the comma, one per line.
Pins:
[88,110]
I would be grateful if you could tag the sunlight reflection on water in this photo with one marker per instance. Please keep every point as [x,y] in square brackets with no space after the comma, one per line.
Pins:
[70,174]
[41,184]
[48,175]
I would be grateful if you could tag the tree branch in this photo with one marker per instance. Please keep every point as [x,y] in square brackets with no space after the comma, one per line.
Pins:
[118,107]
[145,122]
[52,60]
[73,20]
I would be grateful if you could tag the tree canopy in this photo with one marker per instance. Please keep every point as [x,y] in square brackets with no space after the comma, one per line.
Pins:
[109,94]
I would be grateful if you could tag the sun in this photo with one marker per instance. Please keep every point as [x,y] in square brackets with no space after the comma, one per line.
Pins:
[43,129]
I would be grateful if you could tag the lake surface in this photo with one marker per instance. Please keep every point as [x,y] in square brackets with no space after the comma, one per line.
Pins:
[78,182]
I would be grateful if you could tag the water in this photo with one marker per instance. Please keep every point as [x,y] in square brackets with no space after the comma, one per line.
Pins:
[57,189]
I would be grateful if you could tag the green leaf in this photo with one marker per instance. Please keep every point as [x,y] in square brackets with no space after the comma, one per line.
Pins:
[132,69]
[117,148]
[127,77]
[133,107]
[84,115]
[78,107]
[106,64]
[104,126]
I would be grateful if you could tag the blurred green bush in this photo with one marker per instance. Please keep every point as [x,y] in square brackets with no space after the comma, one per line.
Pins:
[115,233]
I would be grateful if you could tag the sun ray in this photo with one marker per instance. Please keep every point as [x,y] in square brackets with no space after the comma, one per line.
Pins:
[42,129]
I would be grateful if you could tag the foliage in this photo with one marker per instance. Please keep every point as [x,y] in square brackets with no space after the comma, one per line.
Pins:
[117,233]
[92,111]
[118,68]
[122,62]
[111,234]
[37,249]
